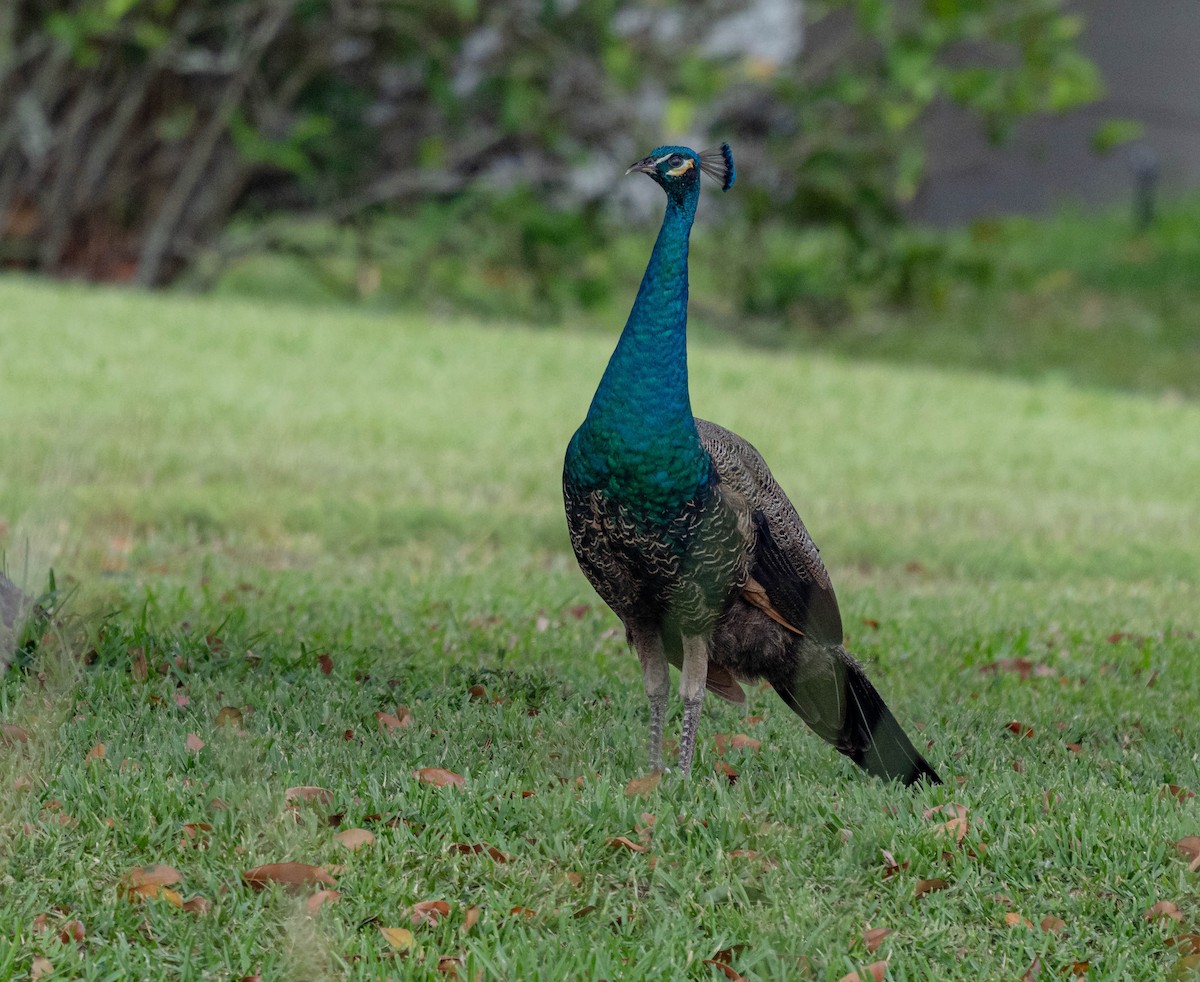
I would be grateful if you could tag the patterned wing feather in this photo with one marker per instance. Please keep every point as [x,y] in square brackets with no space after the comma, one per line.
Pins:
[785,565]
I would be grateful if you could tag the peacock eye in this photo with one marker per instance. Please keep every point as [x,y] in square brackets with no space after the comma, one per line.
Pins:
[675,161]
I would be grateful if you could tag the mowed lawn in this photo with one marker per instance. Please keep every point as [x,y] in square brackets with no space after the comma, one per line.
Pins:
[269,524]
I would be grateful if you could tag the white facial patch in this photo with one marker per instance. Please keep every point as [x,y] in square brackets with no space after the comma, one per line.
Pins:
[683,168]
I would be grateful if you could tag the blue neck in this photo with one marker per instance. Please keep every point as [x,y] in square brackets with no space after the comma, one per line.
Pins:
[639,434]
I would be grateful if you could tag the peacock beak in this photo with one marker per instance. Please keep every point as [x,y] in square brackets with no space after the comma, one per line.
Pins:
[644,166]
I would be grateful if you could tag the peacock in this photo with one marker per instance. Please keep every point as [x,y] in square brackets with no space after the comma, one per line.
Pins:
[684,533]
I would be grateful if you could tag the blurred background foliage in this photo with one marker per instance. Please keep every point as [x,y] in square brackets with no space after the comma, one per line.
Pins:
[464,153]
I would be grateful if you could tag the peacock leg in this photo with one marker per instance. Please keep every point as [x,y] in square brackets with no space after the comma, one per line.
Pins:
[691,691]
[657,680]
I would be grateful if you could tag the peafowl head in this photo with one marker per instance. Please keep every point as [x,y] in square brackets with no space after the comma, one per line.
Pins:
[677,169]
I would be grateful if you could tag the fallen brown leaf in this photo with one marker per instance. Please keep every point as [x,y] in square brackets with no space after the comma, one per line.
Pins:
[574,878]
[874,972]
[195,833]
[428,911]
[228,716]
[471,918]
[624,842]
[449,965]
[193,743]
[520,911]
[96,753]
[475,848]
[71,931]
[1186,944]
[354,839]
[890,866]
[11,735]
[740,741]
[397,937]
[1179,793]
[1033,971]
[930,886]
[726,771]
[1189,846]
[291,876]
[439,777]
[40,968]
[153,875]
[308,794]
[1020,729]
[325,663]
[1163,910]
[1053,925]
[873,937]
[643,785]
[726,969]
[321,897]
[389,722]
[1187,967]
[1013,919]
[197,905]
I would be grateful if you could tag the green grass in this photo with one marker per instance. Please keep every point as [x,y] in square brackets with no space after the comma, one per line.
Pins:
[234,489]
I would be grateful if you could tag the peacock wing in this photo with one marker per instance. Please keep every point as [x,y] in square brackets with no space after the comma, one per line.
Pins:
[787,581]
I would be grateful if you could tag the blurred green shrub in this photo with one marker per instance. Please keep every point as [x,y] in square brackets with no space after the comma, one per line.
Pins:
[135,131]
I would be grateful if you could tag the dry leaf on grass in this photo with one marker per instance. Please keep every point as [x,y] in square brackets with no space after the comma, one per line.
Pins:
[725,969]
[1013,919]
[726,771]
[228,716]
[740,741]
[319,899]
[449,965]
[1019,728]
[624,842]
[873,972]
[1177,792]
[520,911]
[890,866]
[1185,944]
[71,931]
[40,968]
[930,886]
[873,937]
[145,882]
[470,919]
[643,785]
[193,743]
[439,777]
[11,735]
[397,937]
[1162,911]
[97,752]
[308,794]
[1189,846]
[290,876]
[475,848]
[354,839]
[197,905]
[399,720]
[1053,925]
[428,911]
